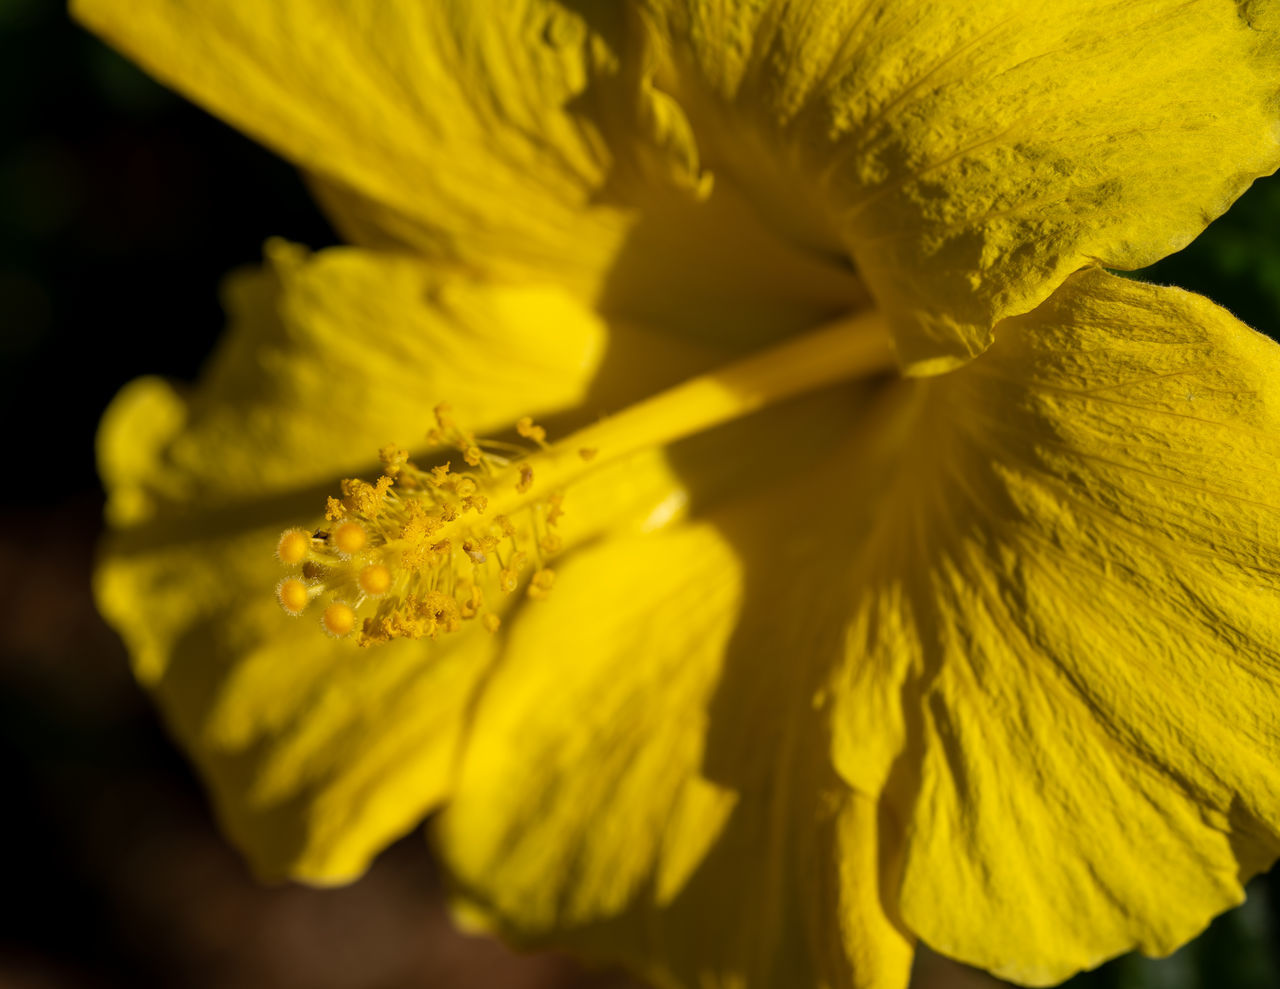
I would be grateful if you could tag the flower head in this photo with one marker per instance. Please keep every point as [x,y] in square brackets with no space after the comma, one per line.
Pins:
[800,652]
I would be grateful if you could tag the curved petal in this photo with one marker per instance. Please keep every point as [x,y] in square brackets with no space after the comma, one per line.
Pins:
[582,815]
[1064,666]
[970,155]
[318,754]
[524,142]
[455,125]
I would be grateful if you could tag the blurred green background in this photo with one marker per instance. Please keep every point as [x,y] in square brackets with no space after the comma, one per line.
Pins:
[120,208]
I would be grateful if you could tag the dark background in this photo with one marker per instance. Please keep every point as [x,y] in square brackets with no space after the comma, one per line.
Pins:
[121,206]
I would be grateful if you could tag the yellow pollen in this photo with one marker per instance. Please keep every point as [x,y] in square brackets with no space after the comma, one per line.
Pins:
[393,458]
[375,579]
[293,547]
[470,599]
[413,555]
[424,551]
[349,538]
[293,595]
[554,511]
[339,619]
[361,498]
[541,584]
[526,428]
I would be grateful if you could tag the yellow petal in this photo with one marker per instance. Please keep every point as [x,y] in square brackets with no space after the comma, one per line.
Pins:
[1062,667]
[512,139]
[452,123]
[970,155]
[582,817]
[318,754]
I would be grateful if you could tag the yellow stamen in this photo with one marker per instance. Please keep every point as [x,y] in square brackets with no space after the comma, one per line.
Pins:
[375,579]
[349,538]
[852,348]
[436,537]
[541,584]
[293,547]
[293,595]
[526,428]
[339,619]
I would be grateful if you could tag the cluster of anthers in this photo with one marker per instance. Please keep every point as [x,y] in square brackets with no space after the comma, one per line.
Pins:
[417,553]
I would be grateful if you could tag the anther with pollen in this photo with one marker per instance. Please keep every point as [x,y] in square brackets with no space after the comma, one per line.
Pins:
[418,553]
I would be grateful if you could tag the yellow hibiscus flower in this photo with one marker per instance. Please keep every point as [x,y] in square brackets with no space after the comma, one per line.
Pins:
[835,657]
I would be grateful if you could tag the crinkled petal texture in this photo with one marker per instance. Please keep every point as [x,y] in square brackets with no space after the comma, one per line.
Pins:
[1054,655]
[317,753]
[970,155]
[1063,669]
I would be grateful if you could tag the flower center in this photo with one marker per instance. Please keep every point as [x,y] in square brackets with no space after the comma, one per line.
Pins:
[420,552]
